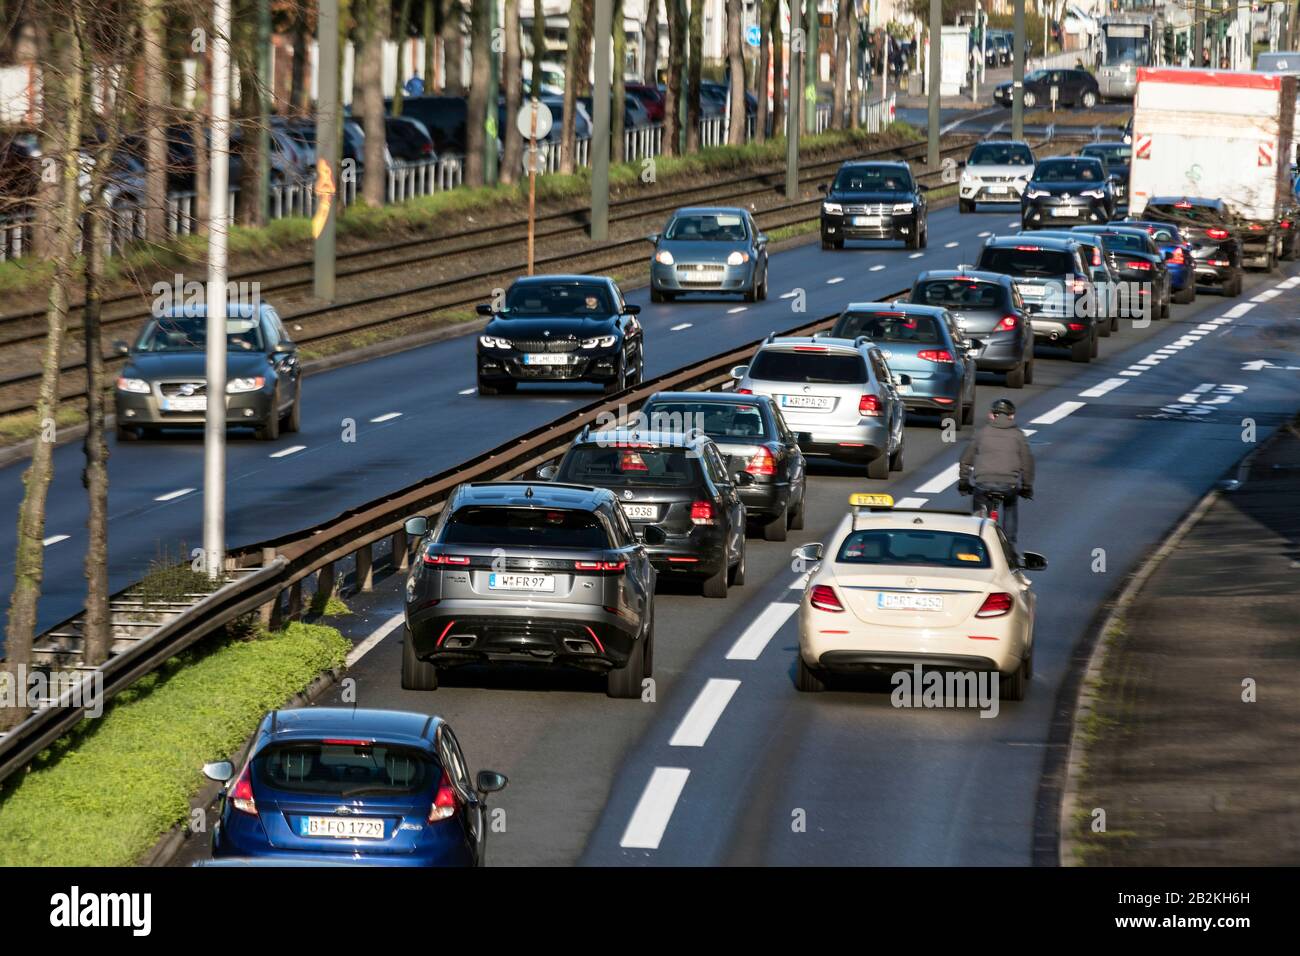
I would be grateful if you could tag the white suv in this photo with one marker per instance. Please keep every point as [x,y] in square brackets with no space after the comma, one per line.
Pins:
[997,171]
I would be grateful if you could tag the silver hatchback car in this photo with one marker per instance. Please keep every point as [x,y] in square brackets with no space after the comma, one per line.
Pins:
[839,396]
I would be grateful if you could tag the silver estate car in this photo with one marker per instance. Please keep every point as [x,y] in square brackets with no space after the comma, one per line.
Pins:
[839,396]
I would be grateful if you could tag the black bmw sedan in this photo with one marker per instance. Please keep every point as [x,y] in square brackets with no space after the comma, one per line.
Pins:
[871,200]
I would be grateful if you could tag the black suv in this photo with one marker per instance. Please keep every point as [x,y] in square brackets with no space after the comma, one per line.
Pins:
[754,438]
[987,307]
[1139,263]
[563,328]
[1054,285]
[1209,227]
[678,494]
[539,573]
[874,201]
[1070,190]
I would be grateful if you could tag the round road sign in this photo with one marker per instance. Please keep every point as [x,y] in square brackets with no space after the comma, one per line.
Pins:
[524,121]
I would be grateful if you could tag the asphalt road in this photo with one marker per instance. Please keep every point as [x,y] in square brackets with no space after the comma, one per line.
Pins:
[774,776]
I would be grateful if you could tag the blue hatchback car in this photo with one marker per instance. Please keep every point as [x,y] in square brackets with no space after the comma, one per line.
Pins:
[363,786]
[1178,256]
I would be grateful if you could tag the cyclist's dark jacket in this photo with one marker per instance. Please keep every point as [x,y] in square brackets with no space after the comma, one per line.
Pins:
[998,455]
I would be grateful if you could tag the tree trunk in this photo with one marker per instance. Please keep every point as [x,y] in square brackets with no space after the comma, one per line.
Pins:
[298,77]
[736,73]
[584,47]
[477,108]
[63,111]
[248,209]
[842,58]
[778,68]
[202,167]
[429,31]
[650,37]
[512,154]
[764,59]
[403,22]
[695,43]
[539,46]
[568,127]
[453,48]
[855,79]
[154,109]
[373,18]
[672,98]
[618,106]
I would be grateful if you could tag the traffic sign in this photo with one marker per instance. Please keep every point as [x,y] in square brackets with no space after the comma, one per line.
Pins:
[535,158]
[524,121]
[754,35]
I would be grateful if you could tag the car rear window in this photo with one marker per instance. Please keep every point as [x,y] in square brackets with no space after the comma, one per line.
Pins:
[507,527]
[718,420]
[616,465]
[345,768]
[945,549]
[892,327]
[823,368]
[1118,240]
[959,294]
[558,298]
[1017,261]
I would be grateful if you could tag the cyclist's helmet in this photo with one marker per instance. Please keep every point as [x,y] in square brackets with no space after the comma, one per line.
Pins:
[1003,406]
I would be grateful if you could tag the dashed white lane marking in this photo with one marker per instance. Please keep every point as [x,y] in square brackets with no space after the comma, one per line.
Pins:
[294,449]
[916,255]
[55,539]
[739,308]
[910,502]
[940,481]
[1057,413]
[1205,327]
[750,645]
[1029,431]
[791,294]
[467,391]
[1223,319]
[385,418]
[835,281]
[371,642]
[1130,373]
[700,720]
[1290,283]
[1237,311]
[1101,388]
[655,808]
[1168,350]
[878,267]
[1267,296]
[1151,360]
[686,325]
[174,494]
[985,234]
[950,245]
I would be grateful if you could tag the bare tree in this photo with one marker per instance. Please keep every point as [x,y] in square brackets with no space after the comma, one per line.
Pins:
[650,54]
[539,46]
[695,42]
[672,102]
[478,106]
[298,75]
[453,47]
[243,45]
[429,30]
[403,28]
[373,18]
[512,77]
[618,108]
[778,67]
[764,60]
[736,74]
[842,59]
[156,103]
[855,75]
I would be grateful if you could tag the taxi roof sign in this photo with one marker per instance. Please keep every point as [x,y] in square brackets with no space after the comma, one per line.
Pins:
[875,502]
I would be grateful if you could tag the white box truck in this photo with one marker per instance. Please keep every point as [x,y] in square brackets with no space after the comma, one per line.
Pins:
[1218,134]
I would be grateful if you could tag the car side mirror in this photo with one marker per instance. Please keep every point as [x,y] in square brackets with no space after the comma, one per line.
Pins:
[548,472]
[417,527]
[220,771]
[823,189]
[811,553]
[738,372]
[922,188]
[653,237]
[760,240]
[489,781]
[630,309]
[1033,561]
[121,348]
[483,309]
[743,479]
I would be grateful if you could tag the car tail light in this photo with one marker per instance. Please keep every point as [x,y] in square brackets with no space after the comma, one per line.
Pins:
[935,355]
[824,598]
[1029,248]
[702,512]
[1183,204]
[1219,262]
[1217,233]
[744,391]
[599,565]
[762,463]
[444,803]
[241,795]
[1177,258]
[995,605]
[436,559]
[1285,223]
[1096,255]
[347,742]
[1006,324]
[1139,265]
[869,406]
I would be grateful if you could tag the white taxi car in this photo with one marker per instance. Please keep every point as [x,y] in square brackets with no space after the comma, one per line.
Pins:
[942,589]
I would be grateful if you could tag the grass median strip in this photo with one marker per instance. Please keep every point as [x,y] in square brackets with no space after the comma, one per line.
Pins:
[102,795]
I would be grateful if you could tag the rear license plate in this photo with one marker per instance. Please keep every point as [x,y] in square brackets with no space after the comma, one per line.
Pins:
[1037,291]
[1063,211]
[998,190]
[866,220]
[195,403]
[904,389]
[805,401]
[341,828]
[641,512]
[520,582]
[909,602]
[546,359]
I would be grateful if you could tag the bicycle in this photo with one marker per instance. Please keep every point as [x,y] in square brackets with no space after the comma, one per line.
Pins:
[990,502]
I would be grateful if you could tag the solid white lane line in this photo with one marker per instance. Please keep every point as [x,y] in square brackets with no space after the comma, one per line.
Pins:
[371,642]
[653,810]
[174,494]
[385,418]
[467,391]
[294,449]
[910,502]
[1238,310]
[1267,296]
[1057,413]
[941,481]
[55,539]
[739,308]
[684,325]
[876,268]
[700,720]
[761,630]
[835,281]
[950,245]
[1101,388]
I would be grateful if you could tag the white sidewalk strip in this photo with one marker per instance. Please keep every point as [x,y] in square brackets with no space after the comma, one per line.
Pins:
[941,481]
[750,645]
[385,418]
[682,326]
[369,644]
[1057,413]
[55,539]
[910,502]
[700,720]
[174,494]
[293,450]
[1101,388]
[653,810]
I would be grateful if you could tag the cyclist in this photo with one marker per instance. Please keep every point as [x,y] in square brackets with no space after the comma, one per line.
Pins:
[998,459]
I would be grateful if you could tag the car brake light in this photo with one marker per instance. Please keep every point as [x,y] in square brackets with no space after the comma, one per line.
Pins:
[1029,248]
[1219,262]
[824,598]
[1177,257]
[241,795]
[762,463]
[1285,224]
[1006,324]
[702,512]
[1077,326]
[1140,265]
[810,348]
[869,406]
[744,391]
[437,559]
[444,803]
[631,461]
[347,742]
[935,355]
[1217,233]
[599,565]
[995,605]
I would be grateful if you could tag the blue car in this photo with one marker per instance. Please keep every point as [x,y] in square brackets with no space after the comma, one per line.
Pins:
[925,343]
[1178,256]
[363,786]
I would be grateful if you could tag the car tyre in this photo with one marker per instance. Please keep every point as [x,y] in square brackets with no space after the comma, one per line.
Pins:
[624,683]
[965,205]
[416,674]
[270,430]
[620,382]
[485,389]
[1016,377]
[968,414]
[127,433]
[896,459]
[736,575]
[878,467]
[1186,294]
[1030,100]
[293,420]
[925,235]
[751,294]
[715,585]
[1081,351]
[1029,371]
[775,530]
[806,679]
[762,290]
[1012,686]
[1096,344]
[796,518]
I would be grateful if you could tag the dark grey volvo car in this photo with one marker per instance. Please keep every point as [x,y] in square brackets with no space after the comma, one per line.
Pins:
[535,573]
